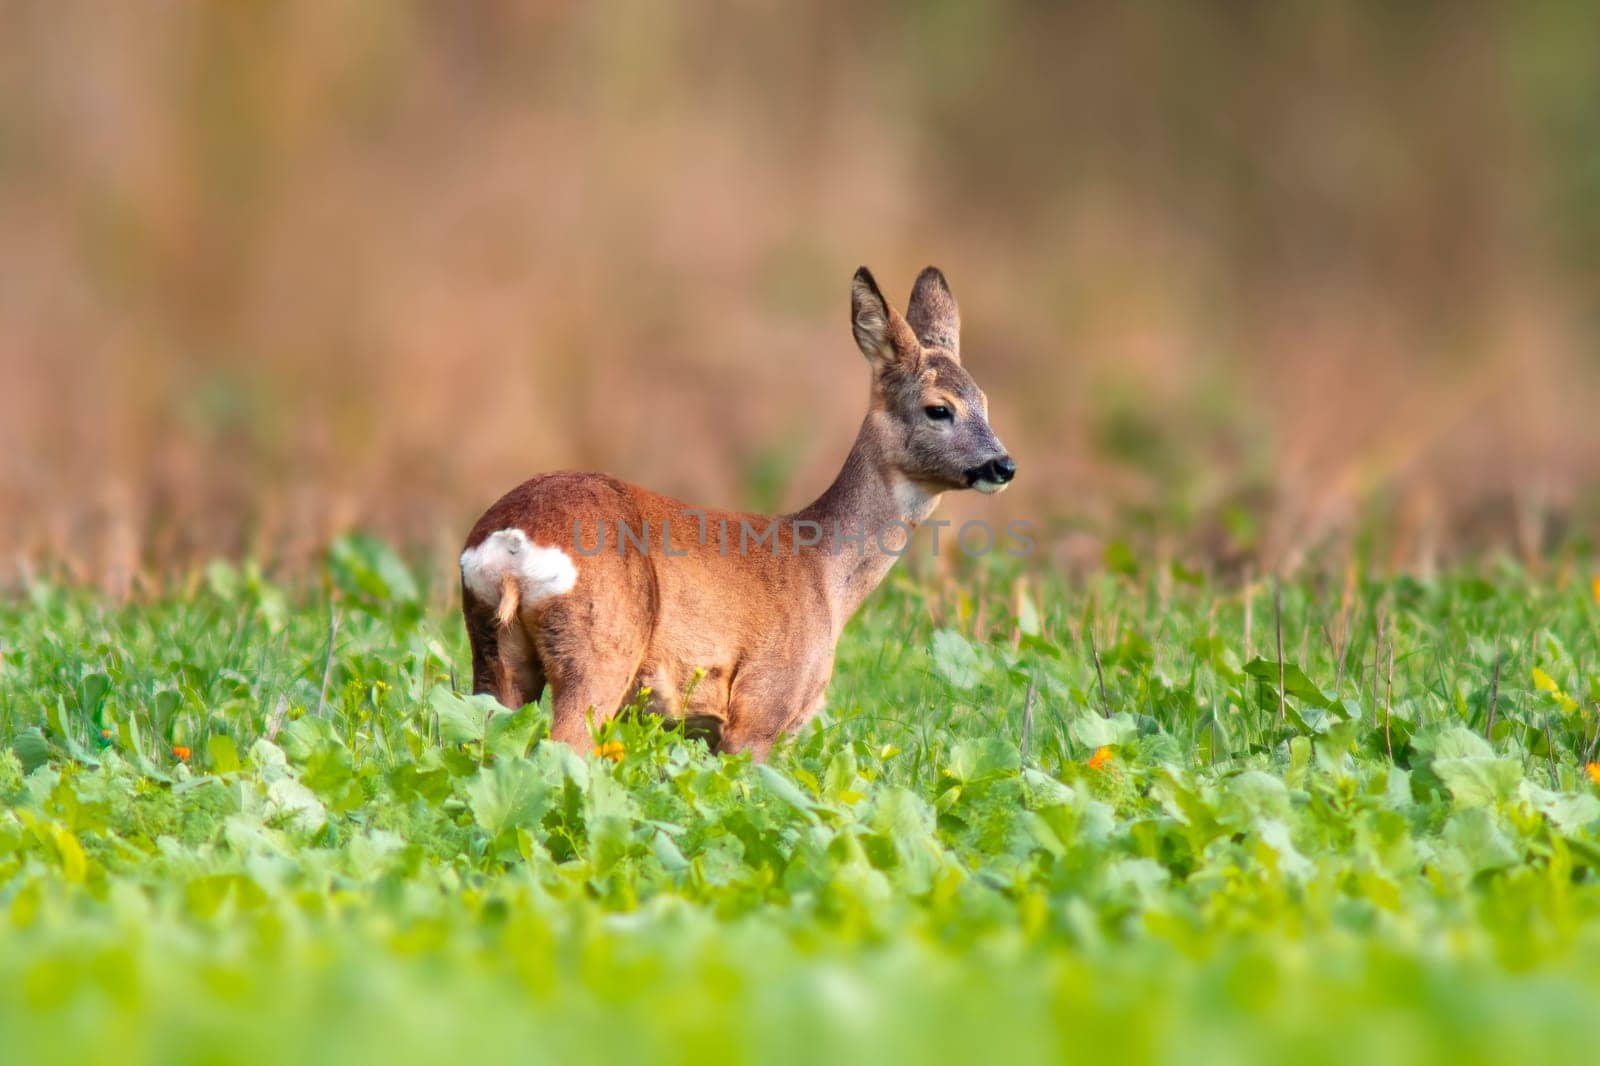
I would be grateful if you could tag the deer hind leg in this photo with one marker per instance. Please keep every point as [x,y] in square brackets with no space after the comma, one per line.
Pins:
[503,578]
[519,675]
[504,662]
[592,662]
[579,700]
[482,635]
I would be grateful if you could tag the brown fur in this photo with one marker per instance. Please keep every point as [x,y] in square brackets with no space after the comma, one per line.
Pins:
[742,641]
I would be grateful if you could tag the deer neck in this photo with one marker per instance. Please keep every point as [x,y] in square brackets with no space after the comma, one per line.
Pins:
[866,519]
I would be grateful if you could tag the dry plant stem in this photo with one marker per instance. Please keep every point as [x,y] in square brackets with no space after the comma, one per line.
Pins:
[278,714]
[1494,696]
[1346,603]
[1388,702]
[1337,653]
[1019,590]
[1027,718]
[1163,579]
[1550,750]
[1594,624]
[327,666]
[1583,672]
[1594,741]
[1094,652]
[1249,614]
[1377,650]
[1277,610]
[1589,733]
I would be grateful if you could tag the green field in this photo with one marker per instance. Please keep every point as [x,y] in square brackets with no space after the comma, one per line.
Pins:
[1038,822]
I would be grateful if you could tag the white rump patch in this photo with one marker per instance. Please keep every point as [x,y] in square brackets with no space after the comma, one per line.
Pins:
[540,572]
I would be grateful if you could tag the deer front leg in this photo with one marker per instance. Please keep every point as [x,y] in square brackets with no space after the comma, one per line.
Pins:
[747,733]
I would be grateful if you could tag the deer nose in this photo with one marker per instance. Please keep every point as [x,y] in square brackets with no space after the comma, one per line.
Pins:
[994,472]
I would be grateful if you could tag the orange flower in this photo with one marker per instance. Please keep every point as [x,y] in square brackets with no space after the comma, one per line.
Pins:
[1594,772]
[1594,586]
[611,749]
[1101,758]
[105,734]
[181,753]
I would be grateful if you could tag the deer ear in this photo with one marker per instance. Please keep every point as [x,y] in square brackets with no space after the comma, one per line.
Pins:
[880,331]
[933,314]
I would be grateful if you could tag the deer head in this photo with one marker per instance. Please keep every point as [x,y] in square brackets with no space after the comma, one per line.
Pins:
[930,420]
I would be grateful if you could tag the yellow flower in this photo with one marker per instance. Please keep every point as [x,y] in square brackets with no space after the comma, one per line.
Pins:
[611,749]
[1594,772]
[1100,759]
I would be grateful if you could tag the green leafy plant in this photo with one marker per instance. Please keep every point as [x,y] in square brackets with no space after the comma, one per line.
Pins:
[1102,827]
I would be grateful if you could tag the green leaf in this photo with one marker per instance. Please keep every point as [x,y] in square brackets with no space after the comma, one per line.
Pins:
[785,790]
[1255,795]
[1274,834]
[1138,877]
[510,732]
[981,759]
[1545,683]
[295,805]
[1295,682]
[222,579]
[1027,616]
[956,659]
[1093,731]
[32,749]
[1454,742]
[222,754]
[463,719]
[507,795]
[1568,813]
[666,852]
[1120,559]
[365,567]
[94,688]
[1478,840]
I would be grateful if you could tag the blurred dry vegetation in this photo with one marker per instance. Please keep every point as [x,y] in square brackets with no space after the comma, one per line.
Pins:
[1245,283]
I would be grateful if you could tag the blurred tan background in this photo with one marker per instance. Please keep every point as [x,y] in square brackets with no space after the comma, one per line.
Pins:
[1243,282]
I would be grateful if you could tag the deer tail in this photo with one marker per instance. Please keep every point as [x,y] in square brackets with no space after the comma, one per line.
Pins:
[510,600]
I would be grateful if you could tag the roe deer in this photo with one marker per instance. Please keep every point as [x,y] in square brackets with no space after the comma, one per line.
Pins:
[728,620]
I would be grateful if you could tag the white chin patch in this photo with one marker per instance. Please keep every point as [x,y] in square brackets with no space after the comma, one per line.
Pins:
[541,572]
[989,488]
[911,497]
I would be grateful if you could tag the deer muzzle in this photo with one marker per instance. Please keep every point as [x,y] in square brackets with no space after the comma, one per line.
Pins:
[992,476]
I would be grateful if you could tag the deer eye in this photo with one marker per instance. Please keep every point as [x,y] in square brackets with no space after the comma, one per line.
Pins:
[939,413]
